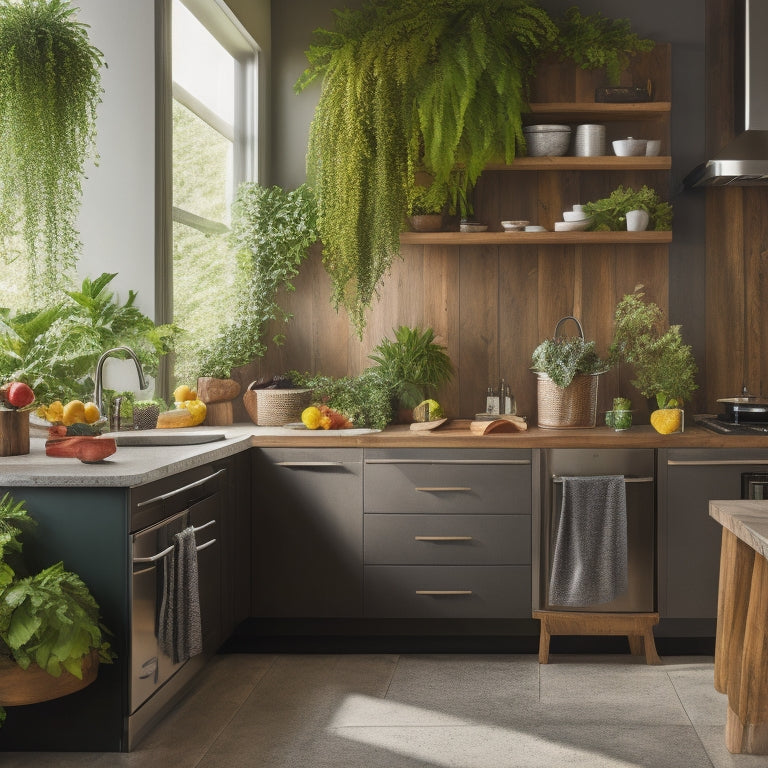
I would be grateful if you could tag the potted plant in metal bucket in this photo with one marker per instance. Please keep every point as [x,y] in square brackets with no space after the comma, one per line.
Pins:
[567,368]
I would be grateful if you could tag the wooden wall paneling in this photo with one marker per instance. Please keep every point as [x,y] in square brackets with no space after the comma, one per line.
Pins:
[441,302]
[518,323]
[719,81]
[556,192]
[554,81]
[725,310]
[555,290]
[478,361]
[756,290]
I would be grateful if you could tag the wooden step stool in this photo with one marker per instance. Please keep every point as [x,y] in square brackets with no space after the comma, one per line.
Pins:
[638,627]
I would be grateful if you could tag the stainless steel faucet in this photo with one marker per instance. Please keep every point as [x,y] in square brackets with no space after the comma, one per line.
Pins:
[97,395]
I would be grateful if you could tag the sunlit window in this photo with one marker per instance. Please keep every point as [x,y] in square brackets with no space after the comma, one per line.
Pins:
[213,137]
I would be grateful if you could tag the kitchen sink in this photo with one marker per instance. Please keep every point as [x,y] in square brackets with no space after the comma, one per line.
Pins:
[165,437]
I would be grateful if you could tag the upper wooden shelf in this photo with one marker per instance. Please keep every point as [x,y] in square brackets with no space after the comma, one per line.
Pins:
[535,238]
[568,111]
[600,163]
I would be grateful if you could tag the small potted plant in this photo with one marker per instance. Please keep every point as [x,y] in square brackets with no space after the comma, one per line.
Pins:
[620,417]
[663,365]
[426,207]
[51,636]
[610,213]
[567,368]
[413,367]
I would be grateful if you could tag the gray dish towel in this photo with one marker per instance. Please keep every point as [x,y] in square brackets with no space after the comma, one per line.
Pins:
[179,629]
[589,563]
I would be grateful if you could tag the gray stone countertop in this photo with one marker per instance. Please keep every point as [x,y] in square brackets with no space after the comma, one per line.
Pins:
[747,520]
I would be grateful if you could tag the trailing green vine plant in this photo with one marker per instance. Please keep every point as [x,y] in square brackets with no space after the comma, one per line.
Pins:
[50,86]
[410,85]
[272,230]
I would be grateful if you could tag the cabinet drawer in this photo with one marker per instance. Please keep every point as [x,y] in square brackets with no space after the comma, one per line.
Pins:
[447,539]
[452,592]
[496,482]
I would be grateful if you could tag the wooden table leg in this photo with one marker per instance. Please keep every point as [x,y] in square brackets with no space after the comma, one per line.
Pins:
[746,728]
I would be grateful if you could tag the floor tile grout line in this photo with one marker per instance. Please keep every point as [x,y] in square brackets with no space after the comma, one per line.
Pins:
[688,717]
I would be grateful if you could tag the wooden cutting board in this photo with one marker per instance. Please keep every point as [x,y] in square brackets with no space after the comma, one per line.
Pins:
[497,426]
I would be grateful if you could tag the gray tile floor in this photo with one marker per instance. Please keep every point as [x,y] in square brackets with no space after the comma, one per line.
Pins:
[435,711]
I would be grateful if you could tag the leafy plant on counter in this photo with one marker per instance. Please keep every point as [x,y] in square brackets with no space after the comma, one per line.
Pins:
[409,85]
[664,366]
[55,349]
[412,366]
[610,213]
[563,357]
[598,42]
[50,86]
[272,230]
[365,399]
[50,618]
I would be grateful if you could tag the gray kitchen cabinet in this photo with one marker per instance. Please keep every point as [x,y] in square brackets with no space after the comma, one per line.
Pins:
[689,540]
[447,533]
[308,534]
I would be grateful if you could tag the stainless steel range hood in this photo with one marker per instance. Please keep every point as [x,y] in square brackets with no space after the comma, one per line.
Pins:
[744,161]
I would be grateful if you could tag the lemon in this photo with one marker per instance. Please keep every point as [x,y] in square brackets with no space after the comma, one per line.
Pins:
[667,420]
[311,417]
[182,393]
[91,413]
[73,412]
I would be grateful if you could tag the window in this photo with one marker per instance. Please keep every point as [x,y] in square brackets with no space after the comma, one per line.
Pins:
[213,139]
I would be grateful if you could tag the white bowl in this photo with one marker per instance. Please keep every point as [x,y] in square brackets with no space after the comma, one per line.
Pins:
[473,227]
[571,226]
[574,216]
[535,228]
[513,226]
[630,147]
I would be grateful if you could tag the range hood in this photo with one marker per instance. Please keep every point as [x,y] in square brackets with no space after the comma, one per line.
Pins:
[744,161]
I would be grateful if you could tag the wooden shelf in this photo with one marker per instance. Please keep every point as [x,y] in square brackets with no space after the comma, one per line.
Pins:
[587,110]
[601,163]
[535,238]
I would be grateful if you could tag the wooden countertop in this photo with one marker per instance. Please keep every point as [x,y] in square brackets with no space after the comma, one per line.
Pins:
[747,520]
[456,434]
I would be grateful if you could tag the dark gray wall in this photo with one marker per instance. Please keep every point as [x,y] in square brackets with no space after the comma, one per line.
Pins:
[679,22]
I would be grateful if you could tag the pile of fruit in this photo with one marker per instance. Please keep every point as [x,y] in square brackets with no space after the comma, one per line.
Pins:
[190,410]
[323,417]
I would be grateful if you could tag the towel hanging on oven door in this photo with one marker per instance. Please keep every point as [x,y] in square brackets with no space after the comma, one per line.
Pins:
[589,562]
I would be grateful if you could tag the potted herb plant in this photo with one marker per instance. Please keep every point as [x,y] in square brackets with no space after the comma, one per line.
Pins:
[567,369]
[413,367]
[663,365]
[272,230]
[610,213]
[50,86]
[51,636]
[426,207]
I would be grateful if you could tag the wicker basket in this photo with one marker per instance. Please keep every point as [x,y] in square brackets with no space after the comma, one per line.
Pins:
[572,407]
[275,407]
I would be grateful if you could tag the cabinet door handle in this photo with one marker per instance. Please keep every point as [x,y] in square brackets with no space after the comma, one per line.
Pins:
[299,464]
[714,462]
[443,489]
[442,538]
[171,494]
[443,592]
[206,545]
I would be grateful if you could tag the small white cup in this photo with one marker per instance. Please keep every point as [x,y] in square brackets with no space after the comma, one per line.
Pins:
[652,148]
[637,221]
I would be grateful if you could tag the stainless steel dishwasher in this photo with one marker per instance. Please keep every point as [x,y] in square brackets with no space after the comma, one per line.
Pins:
[191,499]
[638,468]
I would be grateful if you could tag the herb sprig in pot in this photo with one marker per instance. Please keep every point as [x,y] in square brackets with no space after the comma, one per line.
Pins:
[563,357]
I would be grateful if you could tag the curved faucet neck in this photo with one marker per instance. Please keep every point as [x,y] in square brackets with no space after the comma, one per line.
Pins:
[99,390]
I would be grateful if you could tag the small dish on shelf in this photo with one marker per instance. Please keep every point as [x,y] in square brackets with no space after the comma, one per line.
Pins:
[574,216]
[514,226]
[535,228]
[630,147]
[571,226]
[472,226]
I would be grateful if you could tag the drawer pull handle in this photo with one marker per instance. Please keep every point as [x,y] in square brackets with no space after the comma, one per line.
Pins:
[442,538]
[171,494]
[443,592]
[443,489]
[310,464]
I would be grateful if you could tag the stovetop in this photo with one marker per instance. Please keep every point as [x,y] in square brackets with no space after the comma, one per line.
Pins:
[723,426]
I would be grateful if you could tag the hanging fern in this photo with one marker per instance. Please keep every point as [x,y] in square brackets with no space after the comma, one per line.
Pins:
[49,90]
[407,85]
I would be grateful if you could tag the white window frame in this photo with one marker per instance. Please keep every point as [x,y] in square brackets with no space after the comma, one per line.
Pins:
[233,37]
